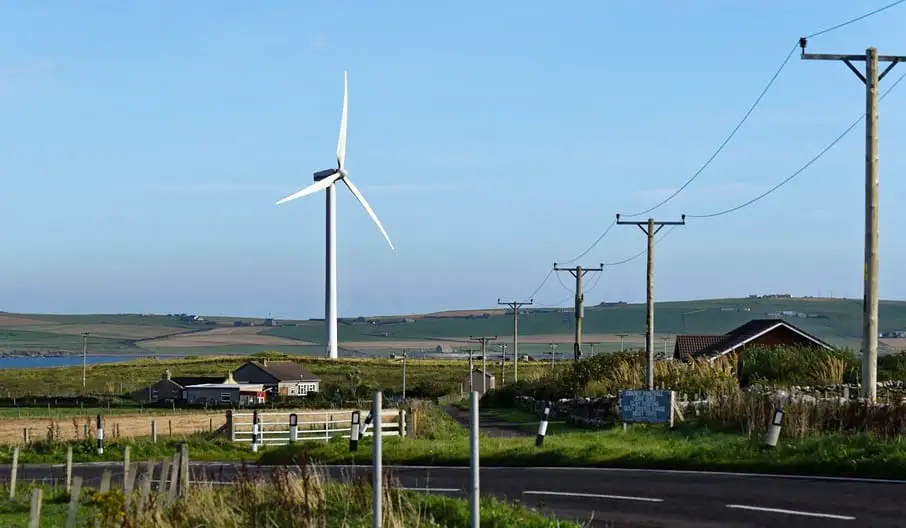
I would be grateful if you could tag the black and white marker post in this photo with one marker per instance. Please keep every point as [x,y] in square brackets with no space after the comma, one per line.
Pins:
[293,428]
[100,435]
[354,431]
[542,427]
[255,431]
[775,427]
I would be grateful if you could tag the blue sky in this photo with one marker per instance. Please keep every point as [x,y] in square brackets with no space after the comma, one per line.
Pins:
[145,143]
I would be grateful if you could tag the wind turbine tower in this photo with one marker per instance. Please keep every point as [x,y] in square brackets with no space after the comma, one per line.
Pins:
[326,180]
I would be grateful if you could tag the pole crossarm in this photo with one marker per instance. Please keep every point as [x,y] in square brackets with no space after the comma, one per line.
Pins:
[578,272]
[643,224]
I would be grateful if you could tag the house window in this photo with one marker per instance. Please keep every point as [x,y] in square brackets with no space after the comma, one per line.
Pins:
[226,397]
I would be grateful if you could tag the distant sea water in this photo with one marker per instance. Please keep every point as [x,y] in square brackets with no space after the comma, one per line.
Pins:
[63,361]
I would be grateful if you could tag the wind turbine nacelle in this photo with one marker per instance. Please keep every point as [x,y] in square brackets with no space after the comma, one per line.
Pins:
[320,175]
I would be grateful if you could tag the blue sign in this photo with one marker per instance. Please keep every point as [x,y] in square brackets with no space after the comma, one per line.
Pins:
[646,406]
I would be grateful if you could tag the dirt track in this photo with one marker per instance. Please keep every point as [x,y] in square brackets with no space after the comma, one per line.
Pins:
[243,335]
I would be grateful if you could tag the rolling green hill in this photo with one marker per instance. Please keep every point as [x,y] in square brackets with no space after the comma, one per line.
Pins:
[838,321]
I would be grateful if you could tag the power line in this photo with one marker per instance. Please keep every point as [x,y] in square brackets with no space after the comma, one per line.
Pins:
[595,244]
[727,139]
[640,253]
[804,167]
[755,104]
[724,144]
[858,18]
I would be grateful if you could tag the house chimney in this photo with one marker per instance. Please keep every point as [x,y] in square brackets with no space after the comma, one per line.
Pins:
[166,374]
[264,362]
[229,379]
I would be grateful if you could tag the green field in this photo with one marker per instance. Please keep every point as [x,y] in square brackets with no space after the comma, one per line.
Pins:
[838,321]
[440,376]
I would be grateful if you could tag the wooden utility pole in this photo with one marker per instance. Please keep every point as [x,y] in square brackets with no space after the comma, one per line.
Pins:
[871,79]
[578,272]
[484,360]
[502,364]
[84,360]
[553,353]
[650,227]
[515,305]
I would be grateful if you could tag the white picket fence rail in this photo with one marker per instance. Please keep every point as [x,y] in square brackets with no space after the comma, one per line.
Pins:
[274,427]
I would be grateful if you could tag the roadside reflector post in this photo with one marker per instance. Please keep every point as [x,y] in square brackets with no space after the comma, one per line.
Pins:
[255,431]
[100,424]
[542,427]
[354,431]
[776,424]
[775,427]
[293,428]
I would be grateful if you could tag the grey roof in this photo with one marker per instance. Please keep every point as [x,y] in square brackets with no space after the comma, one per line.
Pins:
[286,370]
[184,381]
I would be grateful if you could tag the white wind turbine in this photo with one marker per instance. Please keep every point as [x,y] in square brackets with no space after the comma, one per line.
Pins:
[326,180]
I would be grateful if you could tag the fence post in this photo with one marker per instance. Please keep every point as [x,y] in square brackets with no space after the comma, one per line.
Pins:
[229,425]
[145,489]
[153,431]
[402,422]
[74,495]
[354,431]
[105,481]
[25,435]
[164,473]
[184,470]
[13,472]
[68,469]
[34,514]
[293,428]
[100,435]
[127,454]
[377,462]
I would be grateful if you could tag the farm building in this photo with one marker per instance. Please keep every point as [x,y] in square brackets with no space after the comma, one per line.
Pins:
[226,393]
[757,332]
[284,378]
[170,388]
[473,382]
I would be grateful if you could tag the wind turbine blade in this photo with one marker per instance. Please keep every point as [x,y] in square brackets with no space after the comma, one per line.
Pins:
[311,189]
[341,142]
[368,209]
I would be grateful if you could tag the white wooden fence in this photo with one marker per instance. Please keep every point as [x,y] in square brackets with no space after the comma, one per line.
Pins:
[274,427]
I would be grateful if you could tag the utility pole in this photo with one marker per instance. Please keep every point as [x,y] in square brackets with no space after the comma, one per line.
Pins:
[651,228]
[404,374]
[84,360]
[553,353]
[872,78]
[578,272]
[484,360]
[471,371]
[502,363]
[516,305]
[622,336]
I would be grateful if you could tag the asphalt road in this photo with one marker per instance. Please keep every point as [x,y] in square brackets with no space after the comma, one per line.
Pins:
[619,498]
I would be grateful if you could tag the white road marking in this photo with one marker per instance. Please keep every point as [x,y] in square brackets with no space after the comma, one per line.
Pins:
[593,496]
[792,512]
[429,490]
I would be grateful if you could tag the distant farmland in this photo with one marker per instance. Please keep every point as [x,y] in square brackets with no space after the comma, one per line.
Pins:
[838,321]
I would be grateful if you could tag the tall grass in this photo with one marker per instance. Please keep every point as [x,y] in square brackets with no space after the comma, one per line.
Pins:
[303,497]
